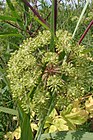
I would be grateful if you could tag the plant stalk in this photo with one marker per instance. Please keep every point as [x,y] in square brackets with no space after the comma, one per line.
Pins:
[85,32]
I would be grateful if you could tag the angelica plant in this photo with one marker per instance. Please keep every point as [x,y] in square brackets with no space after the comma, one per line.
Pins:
[36,73]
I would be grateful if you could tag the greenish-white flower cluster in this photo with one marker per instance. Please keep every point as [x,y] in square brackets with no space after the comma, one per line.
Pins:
[67,71]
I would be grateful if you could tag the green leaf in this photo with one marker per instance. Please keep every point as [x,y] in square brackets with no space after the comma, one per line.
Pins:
[7,18]
[71,135]
[78,117]
[83,11]
[39,21]
[70,124]
[8,110]
[26,131]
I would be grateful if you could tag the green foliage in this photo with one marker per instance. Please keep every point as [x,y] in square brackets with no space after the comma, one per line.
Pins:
[70,118]
[8,43]
[23,17]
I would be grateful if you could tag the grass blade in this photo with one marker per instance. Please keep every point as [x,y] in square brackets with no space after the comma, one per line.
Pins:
[7,18]
[8,110]
[39,21]
[83,11]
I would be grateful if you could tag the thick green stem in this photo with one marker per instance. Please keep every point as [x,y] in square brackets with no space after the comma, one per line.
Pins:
[53,24]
